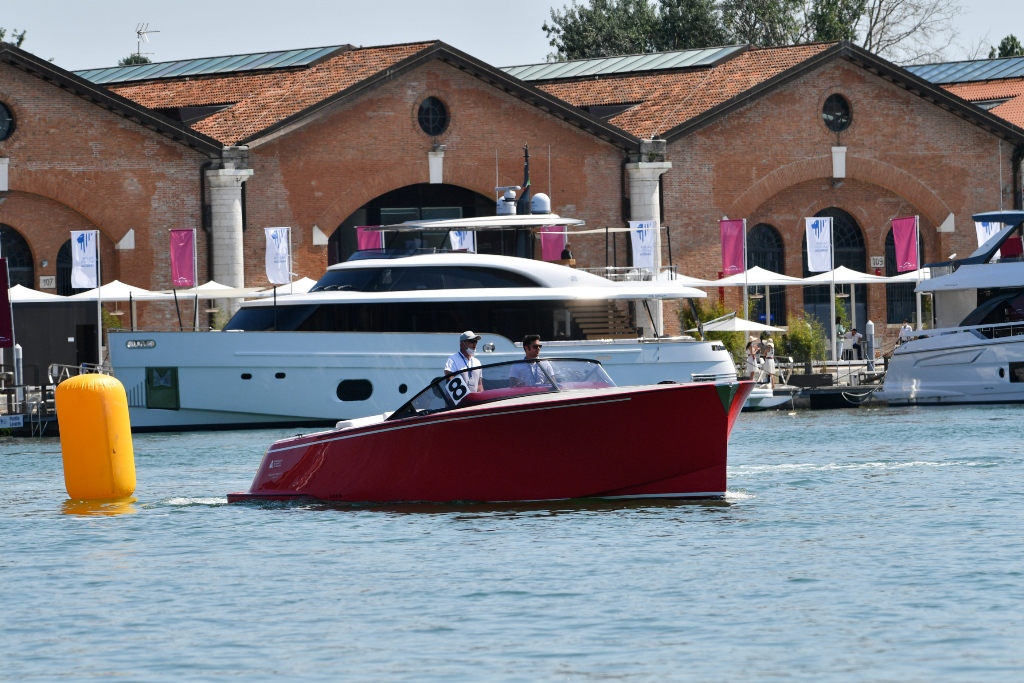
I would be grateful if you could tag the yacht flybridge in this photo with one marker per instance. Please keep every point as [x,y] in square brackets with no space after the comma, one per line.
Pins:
[380,324]
[976,354]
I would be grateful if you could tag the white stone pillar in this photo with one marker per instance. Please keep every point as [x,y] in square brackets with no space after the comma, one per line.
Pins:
[4,165]
[644,196]
[226,228]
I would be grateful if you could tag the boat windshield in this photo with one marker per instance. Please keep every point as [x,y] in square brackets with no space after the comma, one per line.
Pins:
[473,386]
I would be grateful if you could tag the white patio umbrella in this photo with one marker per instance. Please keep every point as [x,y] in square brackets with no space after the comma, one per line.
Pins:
[215,290]
[738,325]
[847,276]
[298,287]
[119,291]
[19,294]
[757,277]
[912,276]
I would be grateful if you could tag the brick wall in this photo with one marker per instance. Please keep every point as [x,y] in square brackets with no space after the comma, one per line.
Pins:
[321,173]
[77,166]
[770,161]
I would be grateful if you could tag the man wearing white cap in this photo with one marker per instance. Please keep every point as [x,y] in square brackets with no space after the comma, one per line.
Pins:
[465,359]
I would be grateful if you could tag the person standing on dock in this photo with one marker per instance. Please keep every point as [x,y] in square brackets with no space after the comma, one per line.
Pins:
[465,359]
[768,353]
[906,332]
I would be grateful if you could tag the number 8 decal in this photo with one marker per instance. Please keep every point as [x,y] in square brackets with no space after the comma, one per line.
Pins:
[457,389]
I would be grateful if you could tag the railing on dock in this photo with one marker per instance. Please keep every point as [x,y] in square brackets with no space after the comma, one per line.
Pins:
[628,274]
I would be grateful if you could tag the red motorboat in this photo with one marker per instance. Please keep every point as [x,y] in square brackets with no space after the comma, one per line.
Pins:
[527,430]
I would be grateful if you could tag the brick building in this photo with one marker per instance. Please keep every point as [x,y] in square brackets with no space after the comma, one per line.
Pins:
[323,140]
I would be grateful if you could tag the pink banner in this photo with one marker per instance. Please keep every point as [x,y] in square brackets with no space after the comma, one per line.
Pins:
[183,258]
[904,236]
[732,246]
[368,239]
[552,241]
[6,313]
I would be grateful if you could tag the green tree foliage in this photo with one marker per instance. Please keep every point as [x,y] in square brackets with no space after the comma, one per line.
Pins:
[134,59]
[1008,47]
[805,340]
[707,309]
[767,23]
[16,38]
[832,20]
[687,24]
[605,28]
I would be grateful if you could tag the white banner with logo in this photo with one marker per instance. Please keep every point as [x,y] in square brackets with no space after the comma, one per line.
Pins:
[84,259]
[279,255]
[643,234]
[819,244]
[463,240]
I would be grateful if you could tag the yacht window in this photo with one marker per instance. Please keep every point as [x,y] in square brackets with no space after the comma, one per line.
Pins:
[269,318]
[419,277]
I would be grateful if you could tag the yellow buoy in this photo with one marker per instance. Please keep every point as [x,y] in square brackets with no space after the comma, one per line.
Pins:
[95,437]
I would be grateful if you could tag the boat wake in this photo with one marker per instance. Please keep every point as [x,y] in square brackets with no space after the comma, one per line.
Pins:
[187,502]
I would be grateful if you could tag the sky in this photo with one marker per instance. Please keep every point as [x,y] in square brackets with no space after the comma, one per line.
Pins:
[97,33]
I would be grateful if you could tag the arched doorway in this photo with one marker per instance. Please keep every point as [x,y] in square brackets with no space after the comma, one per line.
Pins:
[420,202]
[900,300]
[765,249]
[848,241]
[15,249]
[64,271]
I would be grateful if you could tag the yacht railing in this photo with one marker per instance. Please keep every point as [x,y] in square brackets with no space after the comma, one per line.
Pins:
[628,274]
[990,331]
[57,373]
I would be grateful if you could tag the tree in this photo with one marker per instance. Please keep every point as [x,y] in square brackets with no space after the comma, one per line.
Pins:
[1008,47]
[134,59]
[687,24]
[766,23]
[832,20]
[16,38]
[909,31]
[604,29]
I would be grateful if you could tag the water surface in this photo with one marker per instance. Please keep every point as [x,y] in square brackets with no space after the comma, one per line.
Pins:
[880,544]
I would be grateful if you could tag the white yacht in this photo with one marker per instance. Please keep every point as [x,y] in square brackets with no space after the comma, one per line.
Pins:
[372,329]
[976,352]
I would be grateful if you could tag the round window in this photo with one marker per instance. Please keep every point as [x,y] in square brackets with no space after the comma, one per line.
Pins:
[433,116]
[836,113]
[6,122]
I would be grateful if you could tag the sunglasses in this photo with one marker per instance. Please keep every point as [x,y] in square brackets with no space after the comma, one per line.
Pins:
[472,343]
[535,346]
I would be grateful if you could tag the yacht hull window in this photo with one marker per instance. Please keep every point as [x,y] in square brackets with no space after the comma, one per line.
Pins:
[355,390]
[511,319]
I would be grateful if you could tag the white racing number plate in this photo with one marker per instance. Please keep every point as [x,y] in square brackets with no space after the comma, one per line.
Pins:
[456,387]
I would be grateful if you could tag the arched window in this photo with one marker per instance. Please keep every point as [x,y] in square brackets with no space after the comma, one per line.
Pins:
[850,252]
[900,300]
[64,271]
[765,250]
[15,249]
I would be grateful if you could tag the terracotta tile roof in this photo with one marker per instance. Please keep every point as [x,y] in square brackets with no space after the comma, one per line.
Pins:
[1010,89]
[264,98]
[665,100]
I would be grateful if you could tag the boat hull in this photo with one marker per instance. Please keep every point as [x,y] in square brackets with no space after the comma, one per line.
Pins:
[261,379]
[565,445]
[959,367]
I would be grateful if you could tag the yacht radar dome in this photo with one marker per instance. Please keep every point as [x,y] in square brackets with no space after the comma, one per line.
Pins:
[507,202]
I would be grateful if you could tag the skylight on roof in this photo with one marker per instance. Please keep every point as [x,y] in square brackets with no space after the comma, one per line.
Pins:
[205,66]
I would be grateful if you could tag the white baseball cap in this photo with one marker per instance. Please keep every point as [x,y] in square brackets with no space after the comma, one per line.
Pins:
[468,336]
